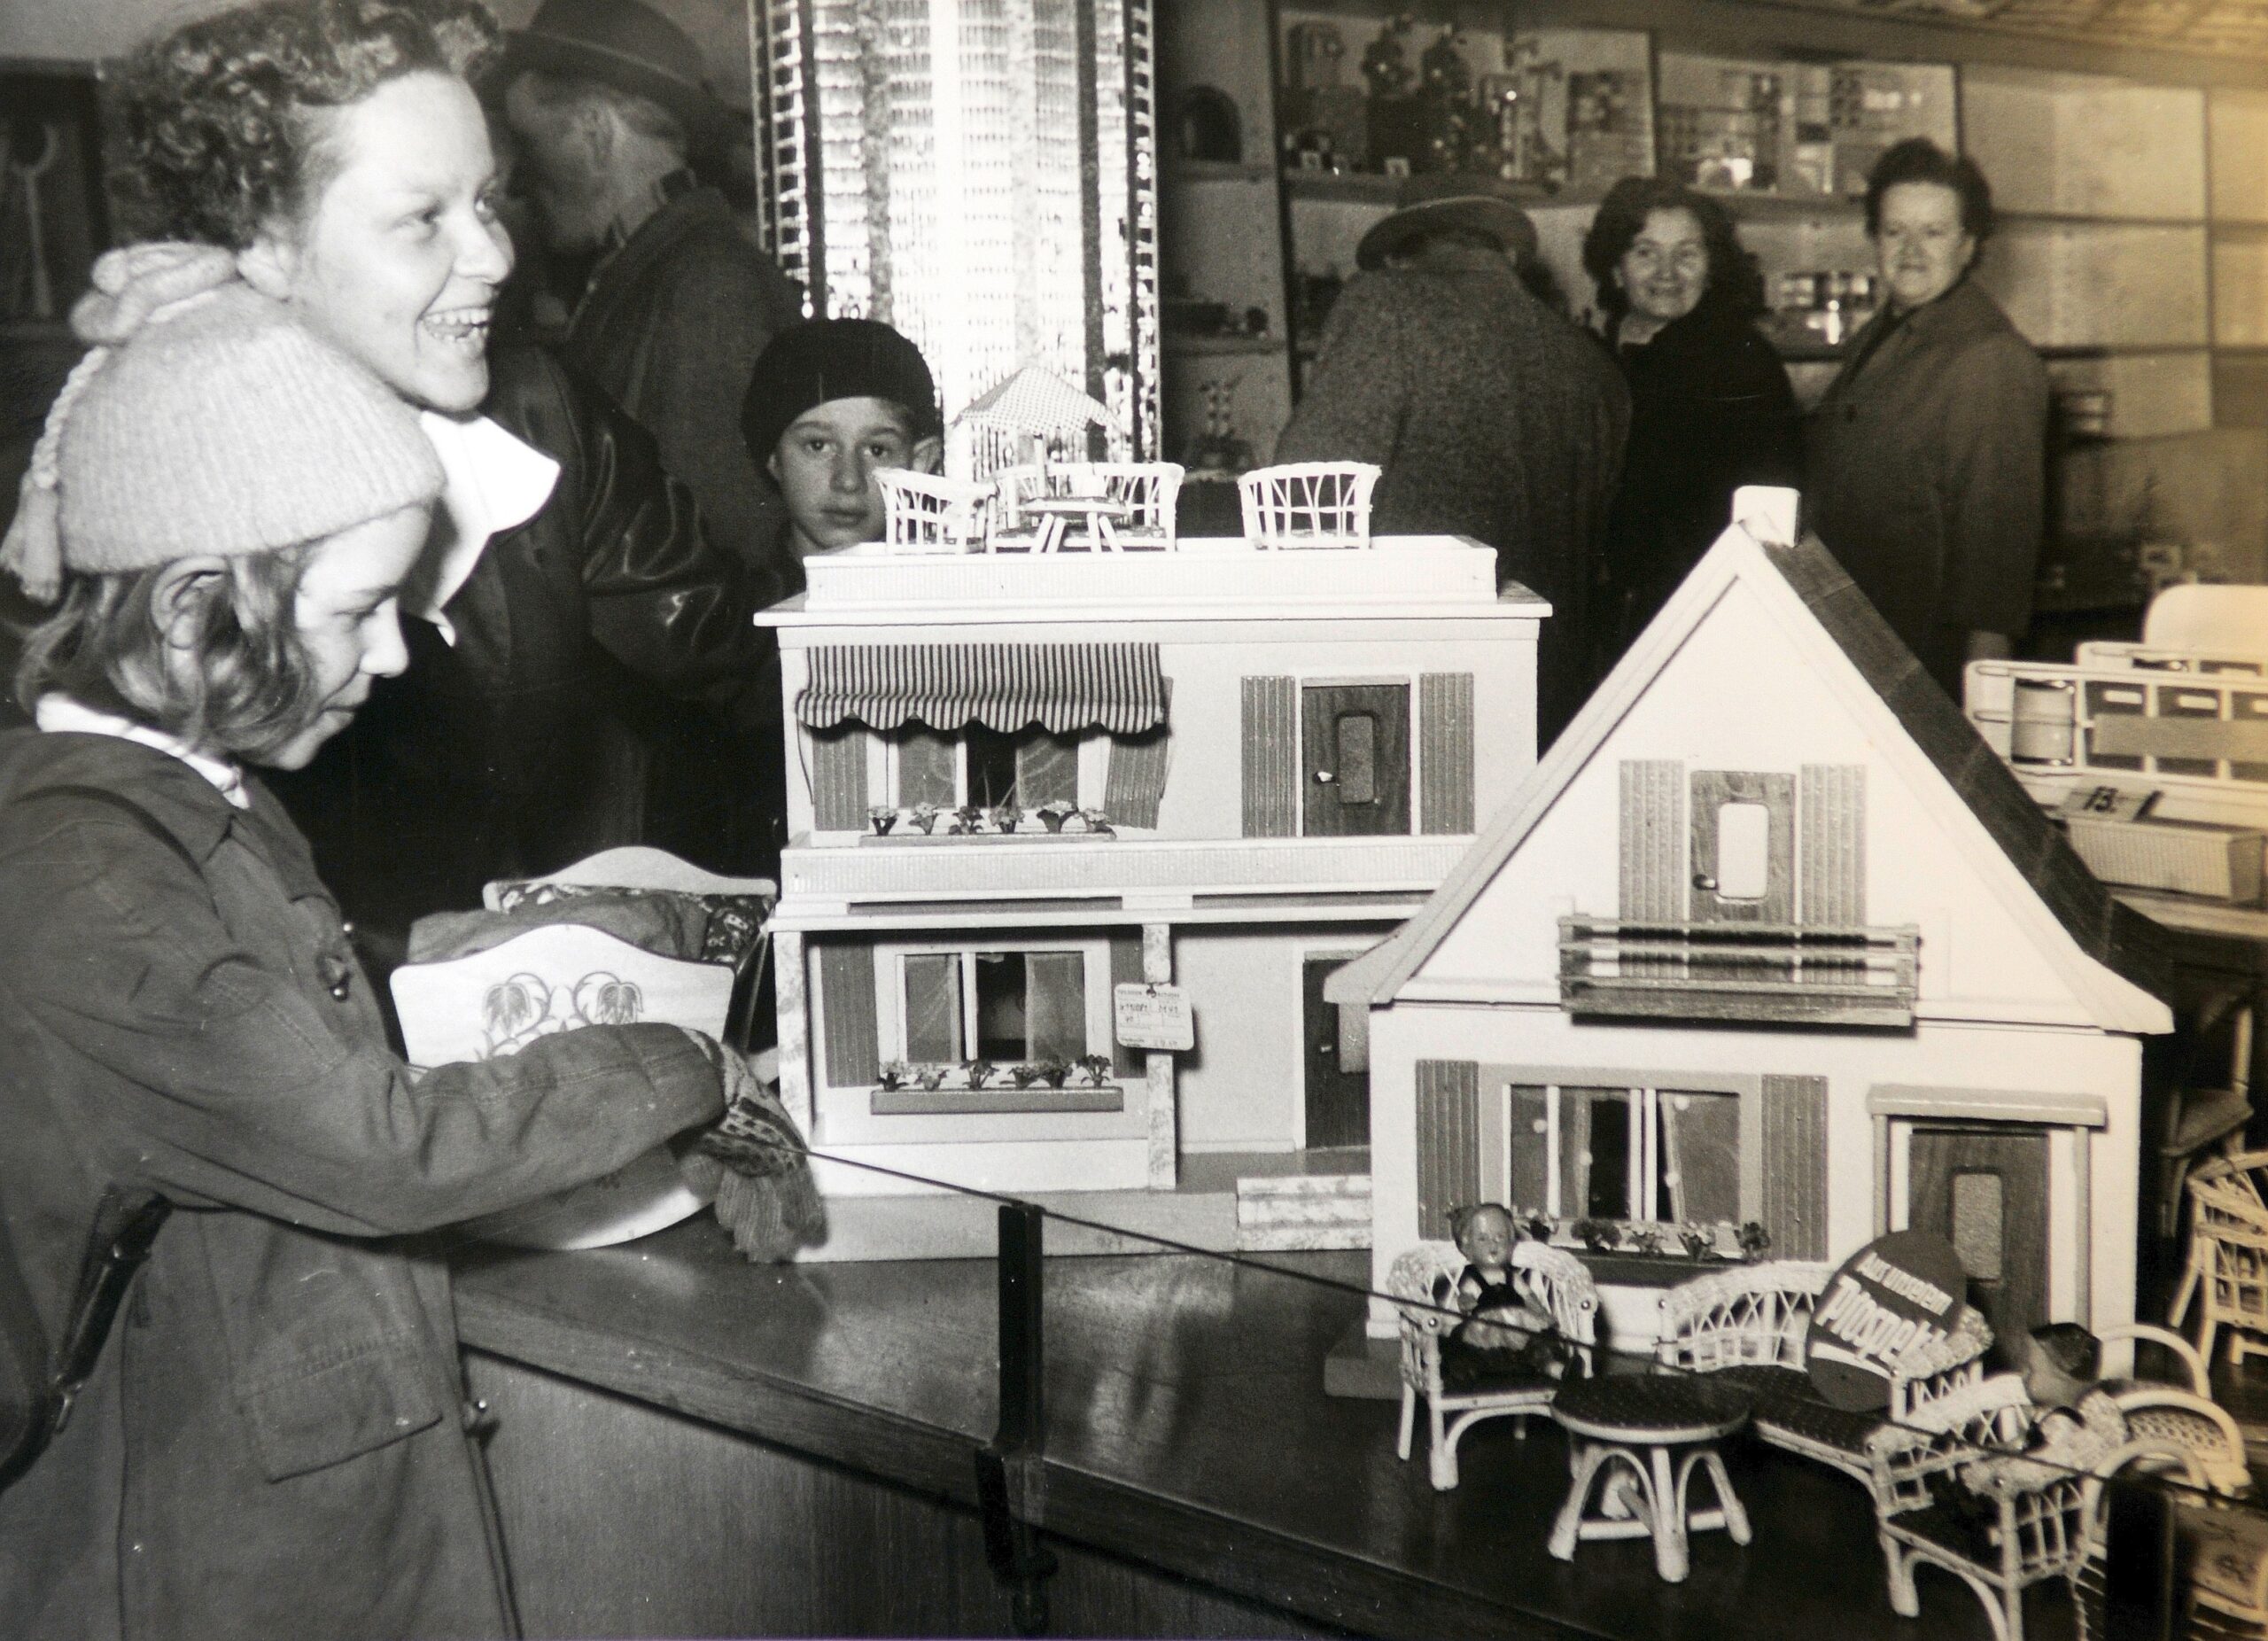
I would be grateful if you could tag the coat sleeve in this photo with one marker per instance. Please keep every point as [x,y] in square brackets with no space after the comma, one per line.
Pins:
[1358,392]
[671,606]
[218,1079]
[1994,397]
[704,333]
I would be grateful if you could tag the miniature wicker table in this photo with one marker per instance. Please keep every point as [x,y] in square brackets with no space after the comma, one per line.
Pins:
[1610,1420]
[1099,516]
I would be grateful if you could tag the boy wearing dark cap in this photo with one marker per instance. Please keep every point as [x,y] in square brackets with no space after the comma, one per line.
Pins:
[833,402]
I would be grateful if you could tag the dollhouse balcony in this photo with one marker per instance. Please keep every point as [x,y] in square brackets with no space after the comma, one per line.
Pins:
[1783,973]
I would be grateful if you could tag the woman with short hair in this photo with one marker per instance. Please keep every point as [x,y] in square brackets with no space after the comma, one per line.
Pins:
[337,149]
[1927,457]
[1711,408]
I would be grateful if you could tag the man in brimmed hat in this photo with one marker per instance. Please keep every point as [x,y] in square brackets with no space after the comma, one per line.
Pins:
[1491,414]
[606,100]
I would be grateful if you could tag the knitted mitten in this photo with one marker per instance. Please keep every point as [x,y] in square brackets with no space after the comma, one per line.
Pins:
[755,1162]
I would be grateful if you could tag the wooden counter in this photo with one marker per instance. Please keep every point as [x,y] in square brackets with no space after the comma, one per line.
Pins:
[689,1446]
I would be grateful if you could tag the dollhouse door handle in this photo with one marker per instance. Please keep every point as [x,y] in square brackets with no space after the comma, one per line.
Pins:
[1702,879]
[1323,777]
[1326,1048]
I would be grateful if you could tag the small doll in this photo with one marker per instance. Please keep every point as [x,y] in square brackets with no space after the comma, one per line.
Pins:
[1502,1334]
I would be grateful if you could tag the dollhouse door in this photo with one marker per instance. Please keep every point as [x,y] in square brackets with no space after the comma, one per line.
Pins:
[1984,1190]
[1338,1088]
[1354,742]
[1744,847]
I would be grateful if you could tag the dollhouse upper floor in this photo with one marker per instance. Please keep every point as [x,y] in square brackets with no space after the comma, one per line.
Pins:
[1264,721]
[1768,813]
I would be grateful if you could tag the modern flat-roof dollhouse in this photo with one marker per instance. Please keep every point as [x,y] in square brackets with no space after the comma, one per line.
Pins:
[1023,776]
[1771,936]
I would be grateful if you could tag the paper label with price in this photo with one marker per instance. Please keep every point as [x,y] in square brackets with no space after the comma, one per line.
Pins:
[2108,802]
[1152,1016]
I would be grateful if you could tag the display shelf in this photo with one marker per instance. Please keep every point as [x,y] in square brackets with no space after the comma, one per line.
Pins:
[2134,250]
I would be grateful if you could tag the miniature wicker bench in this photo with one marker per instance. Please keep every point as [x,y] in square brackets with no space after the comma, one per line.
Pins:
[1749,1322]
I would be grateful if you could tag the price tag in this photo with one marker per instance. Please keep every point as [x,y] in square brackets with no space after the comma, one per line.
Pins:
[2108,803]
[1152,1016]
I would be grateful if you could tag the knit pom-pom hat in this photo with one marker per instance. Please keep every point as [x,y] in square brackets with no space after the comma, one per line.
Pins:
[207,419]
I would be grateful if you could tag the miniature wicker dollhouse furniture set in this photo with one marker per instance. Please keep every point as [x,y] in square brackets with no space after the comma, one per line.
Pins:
[1550,1280]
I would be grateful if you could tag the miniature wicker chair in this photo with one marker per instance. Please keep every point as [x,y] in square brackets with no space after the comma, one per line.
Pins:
[2028,1534]
[2227,1272]
[1749,1322]
[1549,1278]
[924,513]
[1307,504]
[1014,529]
[2183,1415]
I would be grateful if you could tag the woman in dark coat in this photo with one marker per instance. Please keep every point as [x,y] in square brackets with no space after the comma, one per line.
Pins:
[1710,405]
[1927,457]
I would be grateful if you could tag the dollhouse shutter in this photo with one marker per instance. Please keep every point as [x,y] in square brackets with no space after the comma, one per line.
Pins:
[839,779]
[1271,757]
[1653,829]
[1445,752]
[1449,1141]
[1793,1206]
[846,983]
[1125,970]
[1137,776]
[1831,820]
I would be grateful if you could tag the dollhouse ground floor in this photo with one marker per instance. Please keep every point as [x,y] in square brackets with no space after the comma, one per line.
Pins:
[935,1060]
[2021,1147]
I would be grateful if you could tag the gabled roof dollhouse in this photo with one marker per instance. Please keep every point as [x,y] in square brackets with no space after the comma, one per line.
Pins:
[1020,781]
[1770,937]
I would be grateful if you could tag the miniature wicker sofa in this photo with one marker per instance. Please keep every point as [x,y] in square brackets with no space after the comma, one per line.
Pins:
[1749,1322]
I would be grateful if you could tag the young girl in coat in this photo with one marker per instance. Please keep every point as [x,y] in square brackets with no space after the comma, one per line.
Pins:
[274,1440]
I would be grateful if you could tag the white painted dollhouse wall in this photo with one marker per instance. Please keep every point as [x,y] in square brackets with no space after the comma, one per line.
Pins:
[1756,688]
[1241,1088]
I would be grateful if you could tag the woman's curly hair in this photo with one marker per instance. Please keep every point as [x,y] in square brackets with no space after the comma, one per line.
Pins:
[1736,282]
[219,116]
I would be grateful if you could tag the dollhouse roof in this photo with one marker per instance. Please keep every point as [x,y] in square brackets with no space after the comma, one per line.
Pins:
[1036,401]
[2112,957]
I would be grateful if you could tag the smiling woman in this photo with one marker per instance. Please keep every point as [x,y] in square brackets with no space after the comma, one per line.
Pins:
[1711,408]
[337,148]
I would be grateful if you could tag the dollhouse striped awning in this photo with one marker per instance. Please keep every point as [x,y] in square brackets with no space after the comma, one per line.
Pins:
[1063,687]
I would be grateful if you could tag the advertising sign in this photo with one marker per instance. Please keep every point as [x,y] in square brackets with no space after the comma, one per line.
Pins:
[1897,1293]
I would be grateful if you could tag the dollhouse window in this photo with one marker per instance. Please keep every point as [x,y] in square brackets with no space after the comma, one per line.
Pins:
[983,767]
[1744,850]
[1005,1006]
[1627,1154]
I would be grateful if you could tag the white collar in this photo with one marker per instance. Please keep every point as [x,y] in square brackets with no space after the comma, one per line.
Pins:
[56,714]
[493,483]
